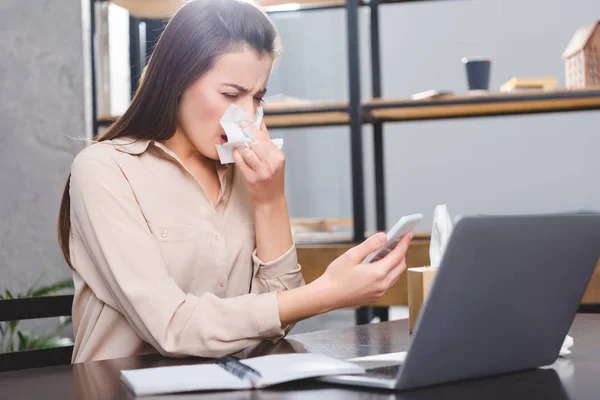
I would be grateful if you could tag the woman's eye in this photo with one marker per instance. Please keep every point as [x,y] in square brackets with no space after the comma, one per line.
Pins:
[230,96]
[259,99]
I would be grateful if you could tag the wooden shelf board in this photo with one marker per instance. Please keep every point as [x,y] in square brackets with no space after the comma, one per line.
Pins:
[461,106]
[306,113]
[303,106]
[323,113]
[291,114]
[306,120]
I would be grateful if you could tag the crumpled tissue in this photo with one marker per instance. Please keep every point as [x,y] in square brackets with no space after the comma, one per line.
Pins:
[440,234]
[566,346]
[238,137]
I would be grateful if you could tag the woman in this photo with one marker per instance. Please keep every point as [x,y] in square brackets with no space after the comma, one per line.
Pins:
[172,251]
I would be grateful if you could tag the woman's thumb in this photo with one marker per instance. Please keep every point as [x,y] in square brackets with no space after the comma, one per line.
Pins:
[359,252]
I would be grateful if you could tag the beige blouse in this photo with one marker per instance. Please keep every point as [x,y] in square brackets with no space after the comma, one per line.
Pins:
[157,267]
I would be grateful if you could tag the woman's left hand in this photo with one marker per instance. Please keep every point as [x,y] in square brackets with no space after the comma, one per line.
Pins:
[263,166]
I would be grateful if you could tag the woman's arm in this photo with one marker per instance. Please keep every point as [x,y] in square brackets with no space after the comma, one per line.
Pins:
[347,282]
[273,230]
[275,259]
[263,166]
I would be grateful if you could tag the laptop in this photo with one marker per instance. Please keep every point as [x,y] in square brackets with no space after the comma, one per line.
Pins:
[503,300]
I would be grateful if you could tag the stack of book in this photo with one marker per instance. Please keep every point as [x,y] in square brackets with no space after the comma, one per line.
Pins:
[519,84]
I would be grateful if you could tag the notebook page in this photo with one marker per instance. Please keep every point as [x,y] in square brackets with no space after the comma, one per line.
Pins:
[278,368]
[184,378]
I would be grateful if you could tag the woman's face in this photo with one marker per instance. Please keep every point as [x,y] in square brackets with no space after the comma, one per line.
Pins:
[238,77]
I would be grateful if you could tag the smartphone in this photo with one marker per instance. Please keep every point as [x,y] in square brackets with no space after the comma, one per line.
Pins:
[405,225]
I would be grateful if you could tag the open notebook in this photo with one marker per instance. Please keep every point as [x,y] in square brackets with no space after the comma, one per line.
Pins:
[230,373]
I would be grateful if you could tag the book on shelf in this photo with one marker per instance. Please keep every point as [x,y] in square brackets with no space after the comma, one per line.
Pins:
[518,84]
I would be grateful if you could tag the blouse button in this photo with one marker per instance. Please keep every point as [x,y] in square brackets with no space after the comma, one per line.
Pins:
[164,233]
[222,283]
[216,236]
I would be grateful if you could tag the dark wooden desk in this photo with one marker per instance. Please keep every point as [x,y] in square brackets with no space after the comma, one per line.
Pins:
[576,377]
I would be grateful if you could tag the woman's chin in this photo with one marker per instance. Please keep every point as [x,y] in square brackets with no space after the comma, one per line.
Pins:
[213,155]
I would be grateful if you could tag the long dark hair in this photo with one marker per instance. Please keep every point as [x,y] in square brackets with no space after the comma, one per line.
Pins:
[194,38]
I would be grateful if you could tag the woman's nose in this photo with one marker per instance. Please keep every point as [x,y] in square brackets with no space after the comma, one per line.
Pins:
[248,106]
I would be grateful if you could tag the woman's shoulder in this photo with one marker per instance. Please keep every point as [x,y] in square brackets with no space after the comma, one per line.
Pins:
[103,148]
[109,152]
[100,159]
[94,155]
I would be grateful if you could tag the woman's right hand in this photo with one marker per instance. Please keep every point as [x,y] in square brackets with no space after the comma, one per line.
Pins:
[349,282]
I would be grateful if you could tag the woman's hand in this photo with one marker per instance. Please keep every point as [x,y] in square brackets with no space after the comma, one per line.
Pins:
[263,166]
[350,283]
[347,282]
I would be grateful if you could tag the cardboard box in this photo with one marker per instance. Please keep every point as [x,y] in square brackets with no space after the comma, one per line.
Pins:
[419,282]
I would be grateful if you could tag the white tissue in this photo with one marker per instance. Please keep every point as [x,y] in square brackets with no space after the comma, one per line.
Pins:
[566,346]
[236,135]
[440,234]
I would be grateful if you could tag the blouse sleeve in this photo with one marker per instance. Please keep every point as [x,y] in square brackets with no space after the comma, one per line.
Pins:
[279,274]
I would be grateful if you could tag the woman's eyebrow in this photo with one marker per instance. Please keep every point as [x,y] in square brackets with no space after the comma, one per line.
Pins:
[244,89]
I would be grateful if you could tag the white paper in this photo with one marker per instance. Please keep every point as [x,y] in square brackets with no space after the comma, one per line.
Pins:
[275,368]
[238,137]
[388,359]
[380,360]
[184,378]
[278,368]
[440,234]
[566,346]
[396,357]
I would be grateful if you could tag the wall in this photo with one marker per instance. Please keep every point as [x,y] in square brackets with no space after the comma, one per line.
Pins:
[44,106]
[515,164]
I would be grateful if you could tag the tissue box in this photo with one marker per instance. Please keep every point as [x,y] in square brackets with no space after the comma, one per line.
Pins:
[419,283]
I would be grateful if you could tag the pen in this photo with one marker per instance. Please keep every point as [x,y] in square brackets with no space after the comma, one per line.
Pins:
[241,370]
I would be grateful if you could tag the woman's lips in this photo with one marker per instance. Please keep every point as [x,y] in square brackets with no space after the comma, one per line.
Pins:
[223,139]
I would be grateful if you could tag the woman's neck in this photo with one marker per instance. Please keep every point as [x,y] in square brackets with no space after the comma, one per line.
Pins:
[187,152]
[202,168]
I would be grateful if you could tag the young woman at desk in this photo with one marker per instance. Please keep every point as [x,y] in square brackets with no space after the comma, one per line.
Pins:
[172,251]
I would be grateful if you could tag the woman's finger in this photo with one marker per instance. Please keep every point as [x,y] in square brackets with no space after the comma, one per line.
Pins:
[259,134]
[261,169]
[261,149]
[263,127]
[251,159]
[242,164]
[395,273]
[358,253]
[394,257]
